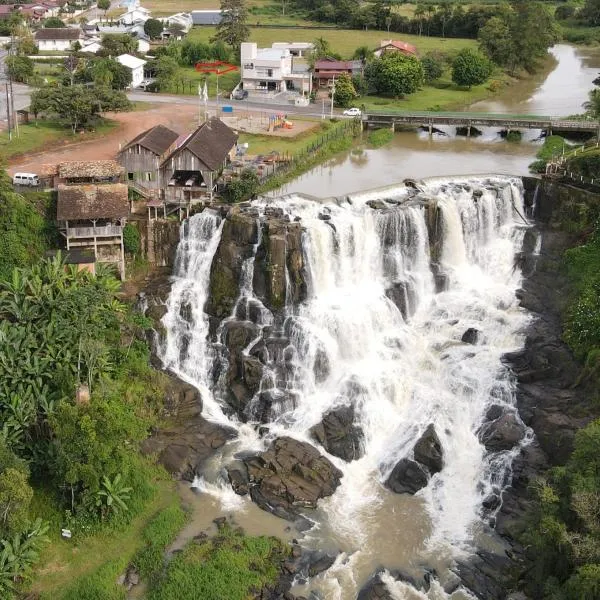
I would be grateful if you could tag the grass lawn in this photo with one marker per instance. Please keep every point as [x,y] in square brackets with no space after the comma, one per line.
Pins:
[445,95]
[168,7]
[44,134]
[343,41]
[264,144]
[89,567]
[187,79]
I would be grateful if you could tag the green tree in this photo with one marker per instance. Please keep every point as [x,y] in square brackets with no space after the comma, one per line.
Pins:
[111,73]
[395,74]
[470,68]
[363,53]
[591,12]
[53,23]
[344,91]
[496,41]
[131,239]
[433,67]
[233,29]
[592,106]
[20,68]
[153,28]
[242,188]
[15,497]
[103,5]
[116,44]
[165,69]
[24,41]
[113,495]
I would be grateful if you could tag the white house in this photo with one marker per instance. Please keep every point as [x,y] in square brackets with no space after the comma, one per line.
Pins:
[269,71]
[137,68]
[297,49]
[92,46]
[135,14]
[180,20]
[60,38]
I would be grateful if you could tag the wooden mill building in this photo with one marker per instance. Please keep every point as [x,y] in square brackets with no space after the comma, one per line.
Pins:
[92,209]
[141,158]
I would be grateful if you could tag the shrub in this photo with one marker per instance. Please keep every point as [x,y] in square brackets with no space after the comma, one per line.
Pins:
[131,239]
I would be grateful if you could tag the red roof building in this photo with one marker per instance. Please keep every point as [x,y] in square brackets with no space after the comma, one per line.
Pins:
[326,69]
[386,46]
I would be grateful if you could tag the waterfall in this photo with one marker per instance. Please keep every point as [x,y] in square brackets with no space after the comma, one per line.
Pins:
[391,289]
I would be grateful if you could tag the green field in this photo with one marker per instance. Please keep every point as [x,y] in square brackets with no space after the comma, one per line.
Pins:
[343,41]
[43,134]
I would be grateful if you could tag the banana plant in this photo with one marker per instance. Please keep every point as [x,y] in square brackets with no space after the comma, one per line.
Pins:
[112,495]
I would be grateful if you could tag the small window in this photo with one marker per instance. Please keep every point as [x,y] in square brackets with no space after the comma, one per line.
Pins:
[269,72]
[130,176]
[148,176]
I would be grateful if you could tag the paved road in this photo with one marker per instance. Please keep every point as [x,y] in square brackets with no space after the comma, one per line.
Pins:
[311,110]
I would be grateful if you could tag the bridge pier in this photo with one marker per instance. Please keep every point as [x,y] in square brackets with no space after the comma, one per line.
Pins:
[469,130]
[430,129]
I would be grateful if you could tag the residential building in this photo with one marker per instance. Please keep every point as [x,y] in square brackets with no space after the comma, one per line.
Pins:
[270,71]
[60,38]
[136,14]
[190,171]
[296,49]
[206,17]
[326,69]
[141,158]
[386,46]
[136,66]
[92,217]
[181,21]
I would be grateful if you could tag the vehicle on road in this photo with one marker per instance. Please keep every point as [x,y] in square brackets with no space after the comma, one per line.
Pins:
[240,94]
[352,112]
[29,179]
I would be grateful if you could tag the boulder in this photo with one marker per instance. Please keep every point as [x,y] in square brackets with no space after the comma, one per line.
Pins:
[376,589]
[403,297]
[289,475]
[189,440]
[238,477]
[407,477]
[428,450]
[339,435]
[502,434]
[470,336]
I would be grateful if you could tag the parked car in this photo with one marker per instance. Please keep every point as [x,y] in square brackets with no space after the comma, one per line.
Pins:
[240,94]
[352,112]
[29,179]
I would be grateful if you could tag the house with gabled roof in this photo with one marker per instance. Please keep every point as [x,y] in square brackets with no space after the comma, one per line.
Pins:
[57,38]
[387,46]
[92,217]
[141,158]
[327,69]
[190,171]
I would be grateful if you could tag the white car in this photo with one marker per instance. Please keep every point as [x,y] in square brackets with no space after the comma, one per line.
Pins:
[352,112]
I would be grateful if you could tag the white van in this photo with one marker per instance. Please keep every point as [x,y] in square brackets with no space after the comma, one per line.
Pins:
[26,179]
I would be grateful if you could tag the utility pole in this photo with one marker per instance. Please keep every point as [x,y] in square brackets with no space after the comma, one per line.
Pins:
[332,97]
[8,112]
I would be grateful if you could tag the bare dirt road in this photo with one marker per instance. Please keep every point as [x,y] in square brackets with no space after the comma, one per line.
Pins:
[180,118]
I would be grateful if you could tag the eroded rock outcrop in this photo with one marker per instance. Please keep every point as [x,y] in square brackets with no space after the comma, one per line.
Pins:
[189,440]
[339,434]
[288,476]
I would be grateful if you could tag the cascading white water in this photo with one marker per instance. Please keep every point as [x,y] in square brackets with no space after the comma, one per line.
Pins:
[373,332]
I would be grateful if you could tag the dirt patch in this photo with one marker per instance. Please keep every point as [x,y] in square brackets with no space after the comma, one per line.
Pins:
[264,124]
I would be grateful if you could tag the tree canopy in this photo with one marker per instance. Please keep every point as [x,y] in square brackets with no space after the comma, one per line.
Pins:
[470,68]
[153,28]
[344,91]
[394,74]
[233,29]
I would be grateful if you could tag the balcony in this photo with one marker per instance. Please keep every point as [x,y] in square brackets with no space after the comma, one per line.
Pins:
[91,232]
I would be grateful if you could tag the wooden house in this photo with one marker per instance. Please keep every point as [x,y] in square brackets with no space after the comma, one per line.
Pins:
[92,217]
[92,171]
[327,69]
[140,158]
[190,172]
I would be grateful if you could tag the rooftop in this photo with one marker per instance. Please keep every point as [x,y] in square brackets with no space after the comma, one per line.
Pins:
[92,169]
[399,45]
[210,143]
[77,202]
[157,139]
[58,33]
[132,62]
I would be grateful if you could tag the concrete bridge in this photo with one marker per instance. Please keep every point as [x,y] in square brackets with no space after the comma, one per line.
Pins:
[376,118]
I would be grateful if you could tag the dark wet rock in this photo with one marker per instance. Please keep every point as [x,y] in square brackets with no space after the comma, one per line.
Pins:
[238,477]
[485,574]
[502,434]
[407,477]
[440,278]
[428,450]
[376,589]
[324,216]
[339,434]
[270,403]
[470,336]
[321,366]
[377,204]
[252,371]
[494,412]
[189,440]
[403,297]
[290,475]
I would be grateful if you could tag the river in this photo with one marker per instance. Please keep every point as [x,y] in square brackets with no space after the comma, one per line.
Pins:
[411,372]
[561,91]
